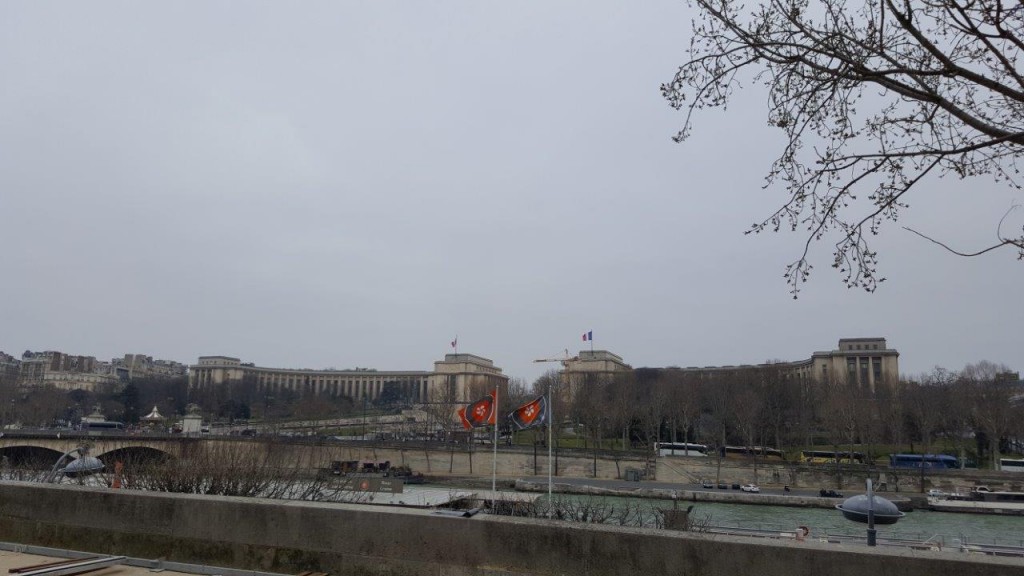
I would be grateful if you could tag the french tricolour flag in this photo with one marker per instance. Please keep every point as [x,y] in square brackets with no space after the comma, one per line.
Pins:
[588,336]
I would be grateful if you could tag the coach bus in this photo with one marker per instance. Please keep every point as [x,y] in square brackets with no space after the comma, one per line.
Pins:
[680,449]
[923,461]
[831,457]
[105,426]
[762,451]
[1011,464]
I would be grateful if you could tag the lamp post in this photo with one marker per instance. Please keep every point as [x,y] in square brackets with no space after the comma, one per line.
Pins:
[551,420]
[861,508]
[871,515]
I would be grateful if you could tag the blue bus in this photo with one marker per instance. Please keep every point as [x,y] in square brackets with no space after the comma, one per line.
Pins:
[923,461]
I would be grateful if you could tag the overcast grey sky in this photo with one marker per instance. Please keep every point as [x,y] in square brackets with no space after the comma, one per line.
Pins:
[342,184]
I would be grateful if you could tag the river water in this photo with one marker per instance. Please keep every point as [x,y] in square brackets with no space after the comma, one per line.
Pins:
[950,529]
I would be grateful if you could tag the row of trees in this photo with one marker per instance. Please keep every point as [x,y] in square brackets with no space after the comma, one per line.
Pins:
[976,412]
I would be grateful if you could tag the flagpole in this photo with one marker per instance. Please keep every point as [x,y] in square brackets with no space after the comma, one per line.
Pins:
[494,457]
[551,413]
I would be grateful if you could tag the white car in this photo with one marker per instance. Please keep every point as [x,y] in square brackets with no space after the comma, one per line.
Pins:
[750,488]
[935,493]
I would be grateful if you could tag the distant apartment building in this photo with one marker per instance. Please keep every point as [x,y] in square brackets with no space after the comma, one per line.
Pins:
[455,378]
[9,369]
[71,372]
[63,371]
[141,366]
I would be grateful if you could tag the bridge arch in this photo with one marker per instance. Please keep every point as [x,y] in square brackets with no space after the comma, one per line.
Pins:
[29,456]
[133,456]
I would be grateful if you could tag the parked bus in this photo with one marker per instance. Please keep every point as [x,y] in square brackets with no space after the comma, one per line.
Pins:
[923,461]
[762,451]
[680,449]
[105,426]
[1011,464]
[831,457]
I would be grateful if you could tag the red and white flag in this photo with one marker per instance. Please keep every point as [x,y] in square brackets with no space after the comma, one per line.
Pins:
[480,413]
[530,414]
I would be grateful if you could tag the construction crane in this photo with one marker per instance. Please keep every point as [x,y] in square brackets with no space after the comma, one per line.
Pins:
[565,364]
[564,360]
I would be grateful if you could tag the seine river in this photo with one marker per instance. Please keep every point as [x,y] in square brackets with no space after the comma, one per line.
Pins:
[948,528]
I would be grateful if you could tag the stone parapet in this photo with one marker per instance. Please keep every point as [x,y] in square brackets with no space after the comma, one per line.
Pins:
[291,537]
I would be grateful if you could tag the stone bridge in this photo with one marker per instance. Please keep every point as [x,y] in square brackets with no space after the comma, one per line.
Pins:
[43,449]
[40,450]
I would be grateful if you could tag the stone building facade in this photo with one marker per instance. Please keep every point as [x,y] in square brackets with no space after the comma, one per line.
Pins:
[596,362]
[864,362]
[457,375]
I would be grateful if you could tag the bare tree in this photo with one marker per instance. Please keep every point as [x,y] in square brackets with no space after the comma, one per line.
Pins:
[778,396]
[441,409]
[746,411]
[925,406]
[621,411]
[518,394]
[956,412]
[683,403]
[717,392]
[872,98]
[650,402]
[994,411]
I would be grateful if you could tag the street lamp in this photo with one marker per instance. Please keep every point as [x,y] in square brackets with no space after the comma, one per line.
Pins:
[869,508]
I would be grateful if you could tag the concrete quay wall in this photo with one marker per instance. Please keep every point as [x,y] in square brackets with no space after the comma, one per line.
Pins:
[290,537]
[513,463]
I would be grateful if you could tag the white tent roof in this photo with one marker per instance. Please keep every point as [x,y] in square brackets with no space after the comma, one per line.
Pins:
[153,416]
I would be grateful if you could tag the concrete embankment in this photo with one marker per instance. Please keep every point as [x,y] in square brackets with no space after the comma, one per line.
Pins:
[640,491]
[291,537]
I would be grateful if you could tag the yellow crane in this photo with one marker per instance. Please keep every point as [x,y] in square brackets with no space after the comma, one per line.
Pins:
[564,360]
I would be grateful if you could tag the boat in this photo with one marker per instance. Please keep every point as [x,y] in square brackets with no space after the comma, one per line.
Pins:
[981,500]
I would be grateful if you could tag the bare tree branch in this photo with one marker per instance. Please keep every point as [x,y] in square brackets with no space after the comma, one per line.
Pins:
[951,103]
[1003,241]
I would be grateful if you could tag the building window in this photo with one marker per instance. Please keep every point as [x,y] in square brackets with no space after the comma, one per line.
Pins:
[851,369]
[863,371]
[876,366]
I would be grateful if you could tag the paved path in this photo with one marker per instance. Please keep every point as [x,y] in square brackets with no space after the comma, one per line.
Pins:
[9,560]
